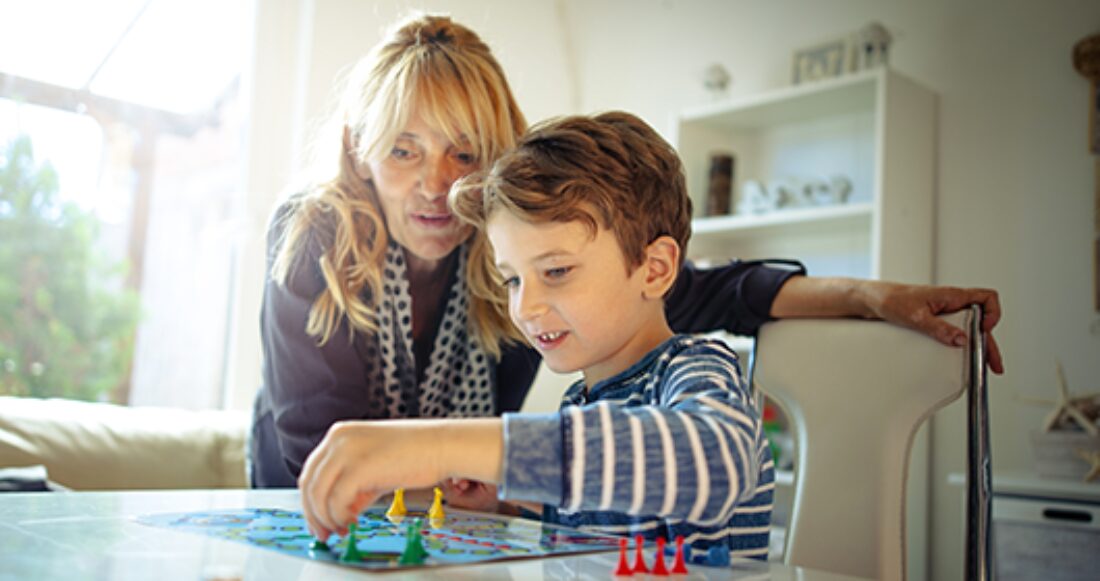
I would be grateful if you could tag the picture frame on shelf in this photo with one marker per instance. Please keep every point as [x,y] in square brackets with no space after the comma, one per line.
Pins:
[821,61]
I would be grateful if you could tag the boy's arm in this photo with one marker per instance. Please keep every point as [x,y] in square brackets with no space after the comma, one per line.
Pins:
[359,461]
[696,456]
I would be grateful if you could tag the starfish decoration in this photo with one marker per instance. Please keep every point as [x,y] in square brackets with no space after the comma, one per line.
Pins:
[1081,410]
[1093,458]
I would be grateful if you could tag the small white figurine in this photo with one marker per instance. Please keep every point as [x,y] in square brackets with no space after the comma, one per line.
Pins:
[873,46]
[716,79]
[755,199]
[842,188]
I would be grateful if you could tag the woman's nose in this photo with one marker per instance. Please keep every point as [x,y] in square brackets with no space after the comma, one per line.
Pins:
[437,178]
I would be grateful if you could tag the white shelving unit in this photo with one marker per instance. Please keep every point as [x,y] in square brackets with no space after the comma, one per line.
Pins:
[877,128]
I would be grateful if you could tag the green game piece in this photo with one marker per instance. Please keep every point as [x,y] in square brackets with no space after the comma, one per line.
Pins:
[319,545]
[414,549]
[351,554]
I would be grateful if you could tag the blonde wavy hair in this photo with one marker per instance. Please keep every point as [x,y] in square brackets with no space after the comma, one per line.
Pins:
[445,72]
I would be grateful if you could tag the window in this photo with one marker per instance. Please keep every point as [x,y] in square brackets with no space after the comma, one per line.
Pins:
[137,107]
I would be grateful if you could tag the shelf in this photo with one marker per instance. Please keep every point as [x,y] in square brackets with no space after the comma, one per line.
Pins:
[849,94]
[774,223]
[1030,485]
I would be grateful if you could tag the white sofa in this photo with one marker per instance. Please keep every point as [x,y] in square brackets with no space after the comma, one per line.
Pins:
[97,446]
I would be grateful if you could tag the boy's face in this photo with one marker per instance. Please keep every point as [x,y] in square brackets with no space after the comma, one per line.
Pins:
[571,296]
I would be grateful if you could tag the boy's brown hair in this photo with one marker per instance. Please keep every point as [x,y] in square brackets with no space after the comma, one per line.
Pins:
[610,171]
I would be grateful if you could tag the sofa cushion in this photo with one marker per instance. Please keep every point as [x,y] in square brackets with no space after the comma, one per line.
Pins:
[98,446]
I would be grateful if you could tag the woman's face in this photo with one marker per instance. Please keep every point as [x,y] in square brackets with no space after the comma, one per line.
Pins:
[412,182]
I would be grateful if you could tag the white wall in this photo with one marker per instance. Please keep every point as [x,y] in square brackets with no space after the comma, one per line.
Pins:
[1014,205]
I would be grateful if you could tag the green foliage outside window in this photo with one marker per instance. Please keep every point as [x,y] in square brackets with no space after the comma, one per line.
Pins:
[67,322]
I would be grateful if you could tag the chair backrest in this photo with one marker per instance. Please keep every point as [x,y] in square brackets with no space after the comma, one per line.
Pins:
[857,391]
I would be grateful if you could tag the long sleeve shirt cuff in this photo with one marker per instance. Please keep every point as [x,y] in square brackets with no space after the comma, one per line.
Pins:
[532,458]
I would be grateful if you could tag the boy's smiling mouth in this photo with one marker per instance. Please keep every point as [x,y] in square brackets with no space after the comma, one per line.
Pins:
[550,340]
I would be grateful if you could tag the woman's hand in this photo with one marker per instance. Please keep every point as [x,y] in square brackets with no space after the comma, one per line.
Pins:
[918,307]
[914,306]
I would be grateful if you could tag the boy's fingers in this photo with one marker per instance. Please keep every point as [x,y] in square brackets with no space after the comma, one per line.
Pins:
[318,488]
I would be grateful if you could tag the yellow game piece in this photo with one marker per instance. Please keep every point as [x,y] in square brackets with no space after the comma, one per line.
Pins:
[436,511]
[398,507]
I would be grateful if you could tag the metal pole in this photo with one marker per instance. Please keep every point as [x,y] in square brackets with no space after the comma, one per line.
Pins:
[979,479]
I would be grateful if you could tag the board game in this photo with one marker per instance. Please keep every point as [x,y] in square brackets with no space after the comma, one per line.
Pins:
[459,538]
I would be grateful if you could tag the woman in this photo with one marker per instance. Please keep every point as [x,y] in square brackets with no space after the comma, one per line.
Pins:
[367,311]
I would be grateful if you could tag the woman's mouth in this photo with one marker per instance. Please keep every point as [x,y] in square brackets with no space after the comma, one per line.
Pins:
[433,219]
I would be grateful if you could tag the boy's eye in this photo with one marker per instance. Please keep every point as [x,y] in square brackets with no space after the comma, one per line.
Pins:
[510,282]
[558,272]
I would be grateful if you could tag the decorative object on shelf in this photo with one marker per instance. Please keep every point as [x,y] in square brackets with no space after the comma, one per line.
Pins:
[867,48]
[822,61]
[1093,458]
[822,192]
[1082,411]
[716,79]
[872,46]
[755,199]
[1069,432]
[720,184]
[1086,59]
[1063,454]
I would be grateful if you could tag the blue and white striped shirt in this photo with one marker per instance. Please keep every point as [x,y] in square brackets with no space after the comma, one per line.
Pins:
[672,446]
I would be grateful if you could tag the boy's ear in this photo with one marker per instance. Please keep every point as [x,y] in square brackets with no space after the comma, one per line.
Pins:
[662,259]
[360,168]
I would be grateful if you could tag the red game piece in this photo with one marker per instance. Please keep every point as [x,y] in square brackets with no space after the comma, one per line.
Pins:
[624,569]
[679,567]
[659,568]
[639,558]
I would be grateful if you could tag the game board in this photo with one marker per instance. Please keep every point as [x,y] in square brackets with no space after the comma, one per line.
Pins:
[462,537]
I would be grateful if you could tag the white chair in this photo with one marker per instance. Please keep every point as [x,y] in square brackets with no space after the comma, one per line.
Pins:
[857,391]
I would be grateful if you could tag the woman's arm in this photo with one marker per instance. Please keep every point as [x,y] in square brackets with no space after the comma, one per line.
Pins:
[743,295]
[914,306]
[307,387]
[736,297]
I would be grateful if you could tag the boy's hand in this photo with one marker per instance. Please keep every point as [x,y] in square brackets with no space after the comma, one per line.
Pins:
[359,461]
[471,495]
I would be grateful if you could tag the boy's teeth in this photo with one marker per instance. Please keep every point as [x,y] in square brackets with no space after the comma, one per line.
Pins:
[550,336]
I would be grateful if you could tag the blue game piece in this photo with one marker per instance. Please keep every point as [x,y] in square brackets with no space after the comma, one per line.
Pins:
[718,556]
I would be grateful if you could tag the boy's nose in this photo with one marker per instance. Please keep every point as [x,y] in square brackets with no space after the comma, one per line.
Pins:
[527,304]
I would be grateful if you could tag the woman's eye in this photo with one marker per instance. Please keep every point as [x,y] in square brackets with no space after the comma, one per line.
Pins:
[466,158]
[402,153]
[511,282]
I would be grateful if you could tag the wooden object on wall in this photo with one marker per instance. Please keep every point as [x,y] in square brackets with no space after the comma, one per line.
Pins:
[1086,59]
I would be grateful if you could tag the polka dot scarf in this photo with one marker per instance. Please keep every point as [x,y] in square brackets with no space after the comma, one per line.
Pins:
[456,381]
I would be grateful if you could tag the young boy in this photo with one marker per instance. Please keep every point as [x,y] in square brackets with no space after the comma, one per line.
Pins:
[589,219]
